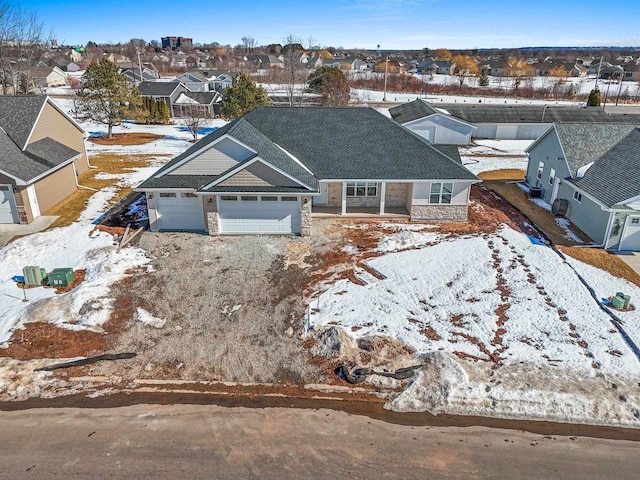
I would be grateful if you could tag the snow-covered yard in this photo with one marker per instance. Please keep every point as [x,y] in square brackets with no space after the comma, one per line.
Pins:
[487,155]
[506,326]
[81,245]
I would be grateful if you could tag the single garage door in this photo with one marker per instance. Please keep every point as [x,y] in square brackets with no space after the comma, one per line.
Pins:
[179,211]
[631,235]
[259,214]
[8,211]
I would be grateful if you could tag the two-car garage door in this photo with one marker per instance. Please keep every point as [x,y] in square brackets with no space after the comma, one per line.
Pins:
[258,214]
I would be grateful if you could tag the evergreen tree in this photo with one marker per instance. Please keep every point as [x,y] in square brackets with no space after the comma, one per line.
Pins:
[332,84]
[163,111]
[594,98]
[106,98]
[242,97]
[484,79]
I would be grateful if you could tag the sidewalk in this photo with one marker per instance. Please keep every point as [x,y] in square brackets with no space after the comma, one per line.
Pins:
[10,230]
[632,259]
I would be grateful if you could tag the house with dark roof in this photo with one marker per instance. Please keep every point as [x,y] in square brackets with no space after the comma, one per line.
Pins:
[432,123]
[197,104]
[42,152]
[574,165]
[159,90]
[273,169]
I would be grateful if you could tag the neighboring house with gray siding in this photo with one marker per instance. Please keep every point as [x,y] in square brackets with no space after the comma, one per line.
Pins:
[432,123]
[576,164]
[42,152]
[271,170]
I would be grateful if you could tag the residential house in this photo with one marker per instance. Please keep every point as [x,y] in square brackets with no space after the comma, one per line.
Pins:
[41,77]
[197,104]
[159,90]
[631,72]
[42,152]
[561,162]
[578,70]
[432,123]
[273,169]
[132,74]
[194,81]
[433,67]
[526,122]
[348,64]
[264,62]
[494,68]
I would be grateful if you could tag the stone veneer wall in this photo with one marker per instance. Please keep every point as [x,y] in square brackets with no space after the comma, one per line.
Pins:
[439,213]
[305,216]
[396,195]
[211,212]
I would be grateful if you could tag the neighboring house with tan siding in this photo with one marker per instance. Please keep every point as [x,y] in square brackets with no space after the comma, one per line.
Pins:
[42,151]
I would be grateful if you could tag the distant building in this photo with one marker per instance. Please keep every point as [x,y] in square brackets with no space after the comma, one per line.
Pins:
[176,42]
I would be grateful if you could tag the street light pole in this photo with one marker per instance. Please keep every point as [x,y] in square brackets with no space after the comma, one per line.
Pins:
[139,64]
[620,89]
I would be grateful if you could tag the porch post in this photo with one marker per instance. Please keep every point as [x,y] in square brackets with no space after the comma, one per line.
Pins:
[344,198]
[383,193]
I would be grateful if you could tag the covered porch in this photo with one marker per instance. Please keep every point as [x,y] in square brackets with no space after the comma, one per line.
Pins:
[363,199]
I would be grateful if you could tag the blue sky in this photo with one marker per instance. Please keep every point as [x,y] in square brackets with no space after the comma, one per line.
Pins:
[394,24]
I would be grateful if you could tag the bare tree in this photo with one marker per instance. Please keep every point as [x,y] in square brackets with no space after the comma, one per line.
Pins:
[295,75]
[193,117]
[22,41]
[249,44]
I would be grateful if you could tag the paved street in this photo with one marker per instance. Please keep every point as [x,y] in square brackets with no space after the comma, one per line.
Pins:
[215,443]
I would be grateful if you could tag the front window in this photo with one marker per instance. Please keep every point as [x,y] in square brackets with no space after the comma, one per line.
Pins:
[362,189]
[441,193]
[577,196]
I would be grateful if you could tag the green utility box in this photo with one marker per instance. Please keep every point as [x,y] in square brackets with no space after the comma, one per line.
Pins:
[33,276]
[61,277]
[618,302]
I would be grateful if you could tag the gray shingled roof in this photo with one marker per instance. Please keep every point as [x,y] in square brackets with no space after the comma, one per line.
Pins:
[451,151]
[18,115]
[615,176]
[583,143]
[533,114]
[412,111]
[160,89]
[333,143]
[354,143]
[36,160]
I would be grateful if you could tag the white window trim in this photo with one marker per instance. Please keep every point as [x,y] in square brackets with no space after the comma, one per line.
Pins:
[577,196]
[540,170]
[441,193]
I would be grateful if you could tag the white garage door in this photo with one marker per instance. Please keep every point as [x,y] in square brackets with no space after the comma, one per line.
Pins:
[8,211]
[179,211]
[259,214]
[631,235]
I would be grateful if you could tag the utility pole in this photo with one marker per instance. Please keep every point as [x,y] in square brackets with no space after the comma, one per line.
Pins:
[620,89]
[598,74]
[386,68]
[139,64]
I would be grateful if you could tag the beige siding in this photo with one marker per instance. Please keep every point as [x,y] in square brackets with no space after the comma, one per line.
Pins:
[260,175]
[54,188]
[216,160]
[55,125]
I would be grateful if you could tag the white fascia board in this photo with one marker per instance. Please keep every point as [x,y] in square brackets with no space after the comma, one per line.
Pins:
[294,158]
[455,119]
[164,190]
[201,151]
[251,162]
[33,127]
[18,181]
[68,117]
[389,180]
[263,194]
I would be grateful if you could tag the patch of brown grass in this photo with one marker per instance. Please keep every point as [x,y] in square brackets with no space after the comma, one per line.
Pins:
[45,340]
[504,174]
[603,260]
[71,207]
[127,139]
